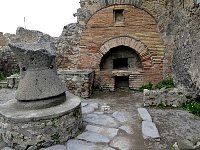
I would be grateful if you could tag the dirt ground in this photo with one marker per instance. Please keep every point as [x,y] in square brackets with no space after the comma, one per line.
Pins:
[172,124]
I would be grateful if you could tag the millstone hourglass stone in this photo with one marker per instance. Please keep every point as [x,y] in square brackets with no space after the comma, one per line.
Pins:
[39,85]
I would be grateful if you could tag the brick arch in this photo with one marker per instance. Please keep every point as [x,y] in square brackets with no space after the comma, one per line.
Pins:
[101,4]
[131,42]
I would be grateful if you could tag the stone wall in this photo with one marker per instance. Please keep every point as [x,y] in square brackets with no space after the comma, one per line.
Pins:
[8,64]
[67,54]
[157,10]
[79,82]
[10,82]
[186,53]
[164,97]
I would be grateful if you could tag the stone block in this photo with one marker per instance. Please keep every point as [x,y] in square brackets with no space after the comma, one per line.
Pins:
[144,114]
[93,137]
[149,131]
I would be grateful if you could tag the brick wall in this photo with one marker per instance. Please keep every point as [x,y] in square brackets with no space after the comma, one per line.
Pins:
[138,31]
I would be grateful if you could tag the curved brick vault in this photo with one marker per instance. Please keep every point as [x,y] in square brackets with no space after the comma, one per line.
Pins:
[139,32]
[100,4]
[136,45]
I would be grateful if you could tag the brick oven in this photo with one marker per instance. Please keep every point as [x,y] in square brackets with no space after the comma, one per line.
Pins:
[121,43]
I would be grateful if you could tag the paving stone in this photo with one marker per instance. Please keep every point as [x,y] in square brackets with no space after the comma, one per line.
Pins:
[100,120]
[55,147]
[123,117]
[83,145]
[99,112]
[128,129]
[7,148]
[87,109]
[94,105]
[83,104]
[149,131]
[93,137]
[185,145]
[121,142]
[108,132]
[144,114]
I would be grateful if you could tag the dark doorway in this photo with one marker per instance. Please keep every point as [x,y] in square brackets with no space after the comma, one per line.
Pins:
[122,82]
[120,63]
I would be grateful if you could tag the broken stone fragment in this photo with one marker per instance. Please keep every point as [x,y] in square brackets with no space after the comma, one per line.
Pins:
[149,131]
[38,72]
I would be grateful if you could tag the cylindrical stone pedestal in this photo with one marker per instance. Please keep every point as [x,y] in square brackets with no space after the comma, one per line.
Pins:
[22,129]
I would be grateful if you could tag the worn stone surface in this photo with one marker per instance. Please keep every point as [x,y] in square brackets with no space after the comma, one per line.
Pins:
[7,148]
[87,109]
[123,143]
[144,114]
[93,137]
[100,120]
[172,124]
[55,147]
[82,145]
[127,128]
[123,117]
[108,132]
[42,127]
[83,104]
[149,131]
[6,95]
[37,70]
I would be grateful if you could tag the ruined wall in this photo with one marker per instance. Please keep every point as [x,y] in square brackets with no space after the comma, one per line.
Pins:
[186,62]
[8,64]
[67,54]
[159,10]
[136,25]
[178,26]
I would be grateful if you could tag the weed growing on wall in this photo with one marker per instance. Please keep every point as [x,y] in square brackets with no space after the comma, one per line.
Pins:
[192,106]
[166,83]
[2,77]
[148,86]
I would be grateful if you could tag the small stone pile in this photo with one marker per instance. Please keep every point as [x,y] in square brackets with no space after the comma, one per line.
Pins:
[165,97]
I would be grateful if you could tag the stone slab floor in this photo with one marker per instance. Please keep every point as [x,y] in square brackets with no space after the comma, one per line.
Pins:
[119,127]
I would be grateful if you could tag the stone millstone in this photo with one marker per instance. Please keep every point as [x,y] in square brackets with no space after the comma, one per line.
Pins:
[39,78]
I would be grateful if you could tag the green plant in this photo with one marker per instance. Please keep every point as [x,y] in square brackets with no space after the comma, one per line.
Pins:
[192,106]
[96,88]
[56,138]
[2,77]
[166,83]
[148,86]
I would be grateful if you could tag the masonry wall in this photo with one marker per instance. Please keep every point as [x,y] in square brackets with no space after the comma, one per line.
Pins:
[138,25]
[8,63]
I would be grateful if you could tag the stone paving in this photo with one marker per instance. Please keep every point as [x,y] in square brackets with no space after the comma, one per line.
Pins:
[120,127]
[104,129]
